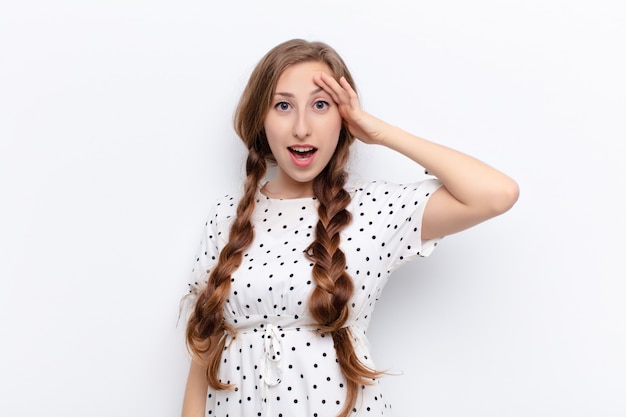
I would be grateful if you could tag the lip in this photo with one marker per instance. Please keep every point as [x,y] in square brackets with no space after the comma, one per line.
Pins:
[302,145]
[302,162]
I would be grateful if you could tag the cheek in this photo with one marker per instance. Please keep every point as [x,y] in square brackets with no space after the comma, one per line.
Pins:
[268,126]
[272,130]
[332,127]
[337,131]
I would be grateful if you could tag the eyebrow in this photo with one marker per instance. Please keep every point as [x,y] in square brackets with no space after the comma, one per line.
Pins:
[280,93]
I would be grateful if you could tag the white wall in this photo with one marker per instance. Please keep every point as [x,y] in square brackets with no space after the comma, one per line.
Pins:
[115,137]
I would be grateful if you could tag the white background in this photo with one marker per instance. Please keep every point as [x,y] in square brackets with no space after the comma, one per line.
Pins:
[116,137]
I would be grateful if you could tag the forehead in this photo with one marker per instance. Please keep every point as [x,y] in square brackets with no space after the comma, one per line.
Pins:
[300,75]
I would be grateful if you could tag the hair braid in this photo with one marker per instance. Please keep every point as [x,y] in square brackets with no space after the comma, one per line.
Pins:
[334,286]
[207,318]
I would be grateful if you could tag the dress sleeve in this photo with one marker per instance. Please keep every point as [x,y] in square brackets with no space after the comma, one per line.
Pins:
[402,213]
[206,257]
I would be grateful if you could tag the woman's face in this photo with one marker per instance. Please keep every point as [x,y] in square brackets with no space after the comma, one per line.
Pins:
[302,128]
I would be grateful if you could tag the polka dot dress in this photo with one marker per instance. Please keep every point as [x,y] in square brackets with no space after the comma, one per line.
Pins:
[278,362]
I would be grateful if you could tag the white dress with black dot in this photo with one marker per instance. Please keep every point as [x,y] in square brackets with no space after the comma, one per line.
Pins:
[277,361]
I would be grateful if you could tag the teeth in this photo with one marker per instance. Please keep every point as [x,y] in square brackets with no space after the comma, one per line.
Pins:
[303,150]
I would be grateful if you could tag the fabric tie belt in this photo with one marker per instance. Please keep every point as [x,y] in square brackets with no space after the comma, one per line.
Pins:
[272,329]
[271,368]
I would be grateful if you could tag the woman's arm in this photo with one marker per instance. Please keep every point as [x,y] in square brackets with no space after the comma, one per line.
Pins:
[472,191]
[194,402]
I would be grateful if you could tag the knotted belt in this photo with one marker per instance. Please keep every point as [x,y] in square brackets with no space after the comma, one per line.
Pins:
[272,329]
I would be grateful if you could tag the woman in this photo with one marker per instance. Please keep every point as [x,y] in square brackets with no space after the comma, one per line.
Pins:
[288,273]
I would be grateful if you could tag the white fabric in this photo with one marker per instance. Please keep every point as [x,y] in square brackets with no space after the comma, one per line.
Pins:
[279,363]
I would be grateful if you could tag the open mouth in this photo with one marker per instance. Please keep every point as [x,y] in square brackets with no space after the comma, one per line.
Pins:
[302,152]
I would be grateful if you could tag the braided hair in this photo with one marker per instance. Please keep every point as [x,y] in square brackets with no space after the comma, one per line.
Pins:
[329,302]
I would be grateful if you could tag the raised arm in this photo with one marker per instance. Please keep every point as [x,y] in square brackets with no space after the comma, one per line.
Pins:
[472,191]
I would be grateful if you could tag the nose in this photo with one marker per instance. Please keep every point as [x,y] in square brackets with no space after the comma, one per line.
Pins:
[301,127]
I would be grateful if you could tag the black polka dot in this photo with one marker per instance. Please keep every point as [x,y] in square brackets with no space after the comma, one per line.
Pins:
[273,286]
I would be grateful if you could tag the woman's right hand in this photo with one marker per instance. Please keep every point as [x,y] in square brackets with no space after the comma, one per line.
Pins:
[365,127]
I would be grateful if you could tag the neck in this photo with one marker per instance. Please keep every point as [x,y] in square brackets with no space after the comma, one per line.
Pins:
[274,189]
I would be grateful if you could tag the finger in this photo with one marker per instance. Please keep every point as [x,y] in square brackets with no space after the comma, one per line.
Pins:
[340,94]
[346,86]
[352,98]
[321,81]
[346,91]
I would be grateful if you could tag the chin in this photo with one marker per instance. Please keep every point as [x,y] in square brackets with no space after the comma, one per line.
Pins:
[304,180]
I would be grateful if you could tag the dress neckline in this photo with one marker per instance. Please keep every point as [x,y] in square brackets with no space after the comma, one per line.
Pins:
[296,199]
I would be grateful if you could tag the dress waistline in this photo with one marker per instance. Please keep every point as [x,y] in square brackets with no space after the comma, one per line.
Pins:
[272,329]
[259,323]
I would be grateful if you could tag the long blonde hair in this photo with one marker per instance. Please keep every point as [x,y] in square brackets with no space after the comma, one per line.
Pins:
[334,287]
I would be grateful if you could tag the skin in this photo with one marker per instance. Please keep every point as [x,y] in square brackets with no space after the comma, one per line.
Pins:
[472,191]
[303,115]
[194,402]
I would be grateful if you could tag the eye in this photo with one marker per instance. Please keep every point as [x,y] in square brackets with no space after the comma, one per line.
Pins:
[282,106]
[321,105]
